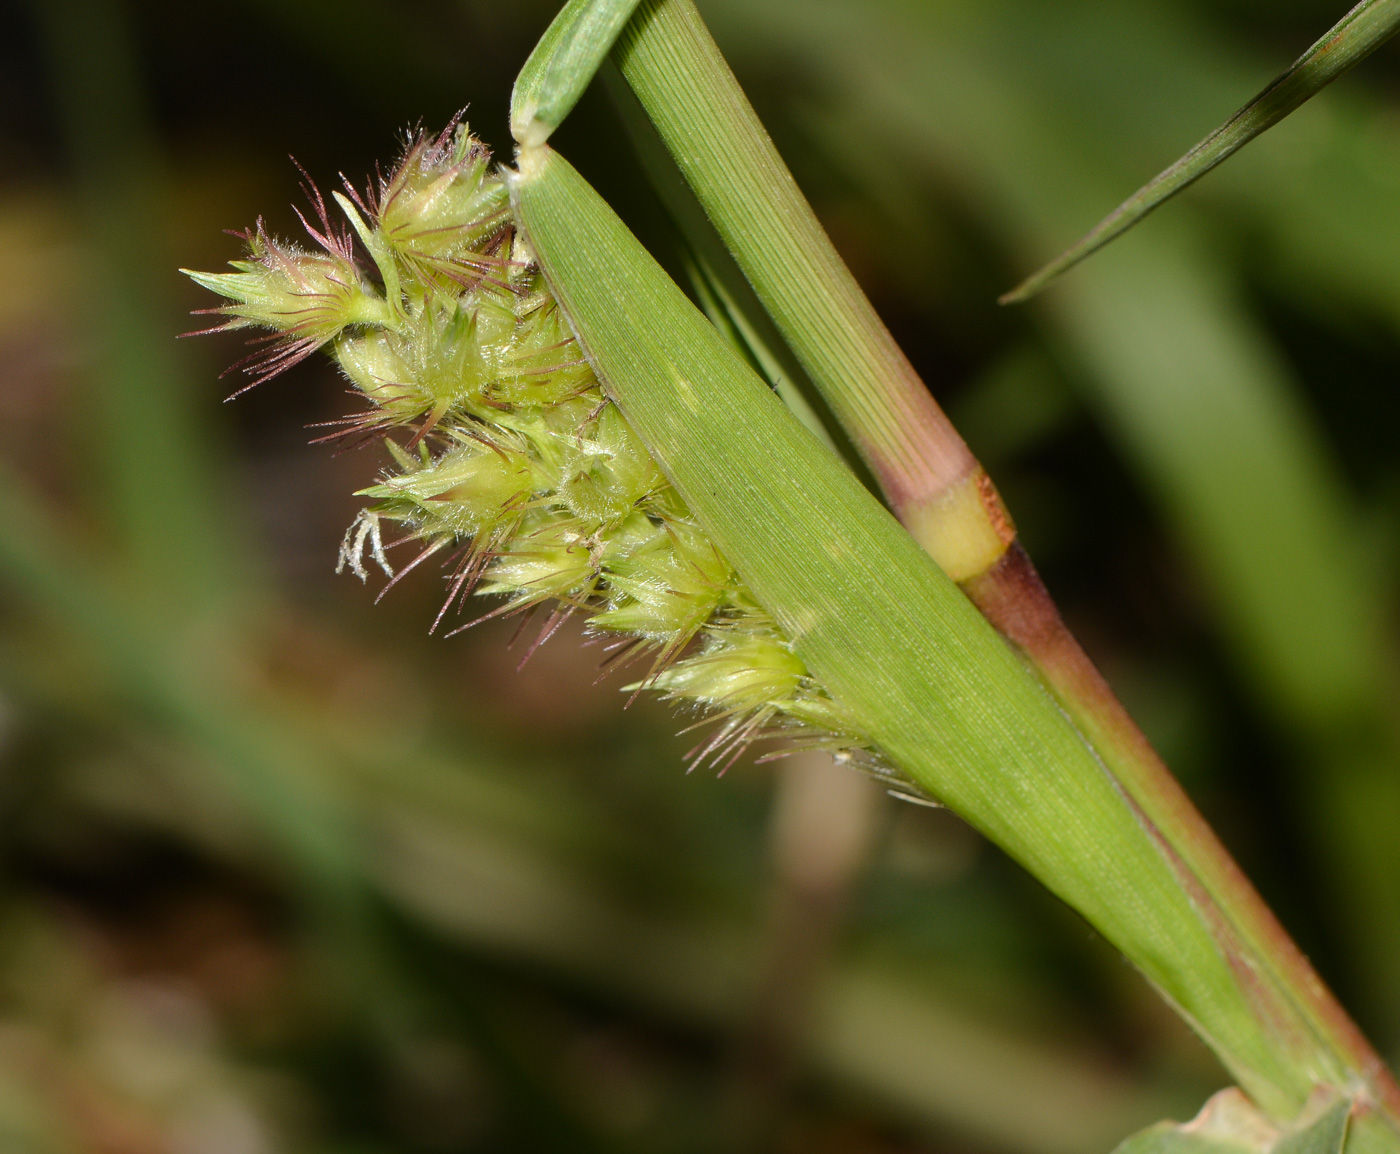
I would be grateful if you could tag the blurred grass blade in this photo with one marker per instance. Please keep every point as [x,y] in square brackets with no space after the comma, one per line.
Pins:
[562,65]
[165,678]
[158,484]
[1359,33]
[920,671]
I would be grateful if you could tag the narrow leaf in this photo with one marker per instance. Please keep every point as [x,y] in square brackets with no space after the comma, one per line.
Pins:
[1359,33]
[153,466]
[726,315]
[562,65]
[888,634]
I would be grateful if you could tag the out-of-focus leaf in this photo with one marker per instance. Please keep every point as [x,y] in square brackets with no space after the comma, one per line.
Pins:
[166,677]
[157,461]
[1017,404]
[1317,190]
[1230,1124]
[887,1035]
[1364,29]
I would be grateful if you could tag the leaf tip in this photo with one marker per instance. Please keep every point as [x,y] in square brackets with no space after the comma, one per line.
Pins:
[1031,287]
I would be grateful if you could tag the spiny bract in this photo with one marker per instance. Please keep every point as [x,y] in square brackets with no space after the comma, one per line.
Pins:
[515,467]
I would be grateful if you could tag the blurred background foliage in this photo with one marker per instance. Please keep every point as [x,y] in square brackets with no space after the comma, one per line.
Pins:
[280,873]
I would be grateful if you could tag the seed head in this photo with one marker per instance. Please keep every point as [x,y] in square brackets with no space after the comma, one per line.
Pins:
[444,213]
[511,463]
[307,299]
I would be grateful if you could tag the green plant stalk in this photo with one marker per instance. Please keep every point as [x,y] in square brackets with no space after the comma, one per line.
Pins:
[919,669]
[676,70]
[931,478]
[1353,38]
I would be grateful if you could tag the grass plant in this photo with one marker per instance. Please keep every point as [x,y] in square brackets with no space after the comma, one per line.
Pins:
[579,440]
[510,428]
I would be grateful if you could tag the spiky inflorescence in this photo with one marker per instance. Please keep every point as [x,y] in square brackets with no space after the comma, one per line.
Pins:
[515,468]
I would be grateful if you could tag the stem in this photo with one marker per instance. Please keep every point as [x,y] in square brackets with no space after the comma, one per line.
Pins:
[1015,600]
[939,491]
[929,475]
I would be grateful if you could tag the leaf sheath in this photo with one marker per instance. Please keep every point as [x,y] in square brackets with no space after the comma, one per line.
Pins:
[901,648]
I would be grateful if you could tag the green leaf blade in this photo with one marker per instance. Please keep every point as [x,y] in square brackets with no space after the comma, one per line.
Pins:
[910,658]
[563,64]
[1359,33]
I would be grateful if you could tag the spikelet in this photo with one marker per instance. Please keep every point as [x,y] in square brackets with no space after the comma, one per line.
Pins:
[512,466]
